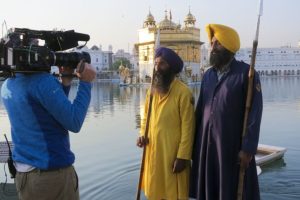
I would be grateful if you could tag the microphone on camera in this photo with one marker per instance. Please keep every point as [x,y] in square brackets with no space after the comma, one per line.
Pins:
[71,35]
[66,40]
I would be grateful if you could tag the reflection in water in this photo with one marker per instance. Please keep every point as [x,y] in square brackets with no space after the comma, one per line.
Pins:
[274,165]
[108,162]
[108,98]
[280,89]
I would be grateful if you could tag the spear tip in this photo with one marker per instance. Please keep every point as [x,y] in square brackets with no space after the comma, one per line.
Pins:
[260,10]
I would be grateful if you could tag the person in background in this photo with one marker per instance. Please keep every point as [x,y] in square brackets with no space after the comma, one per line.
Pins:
[218,152]
[171,129]
[41,116]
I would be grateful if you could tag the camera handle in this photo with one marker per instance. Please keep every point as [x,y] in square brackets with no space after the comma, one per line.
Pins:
[81,67]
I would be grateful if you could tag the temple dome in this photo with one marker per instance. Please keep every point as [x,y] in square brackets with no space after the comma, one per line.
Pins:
[167,23]
[189,20]
[150,17]
[149,21]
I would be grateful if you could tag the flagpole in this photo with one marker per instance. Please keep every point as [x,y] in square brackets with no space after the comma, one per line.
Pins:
[156,45]
[249,100]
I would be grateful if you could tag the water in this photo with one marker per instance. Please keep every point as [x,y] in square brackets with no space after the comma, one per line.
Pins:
[281,127]
[107,160]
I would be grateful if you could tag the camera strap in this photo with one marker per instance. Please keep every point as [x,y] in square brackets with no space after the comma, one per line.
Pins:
[10,162]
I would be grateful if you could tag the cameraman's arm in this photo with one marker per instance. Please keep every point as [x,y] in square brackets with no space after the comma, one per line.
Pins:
[66,89]
[70,115]
[66,80]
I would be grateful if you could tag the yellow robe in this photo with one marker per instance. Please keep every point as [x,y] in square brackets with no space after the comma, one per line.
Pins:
[170,136]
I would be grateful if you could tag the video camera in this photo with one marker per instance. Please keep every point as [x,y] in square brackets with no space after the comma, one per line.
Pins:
[21,53]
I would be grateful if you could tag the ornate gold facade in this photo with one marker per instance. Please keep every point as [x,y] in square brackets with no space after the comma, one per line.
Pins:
[185,41]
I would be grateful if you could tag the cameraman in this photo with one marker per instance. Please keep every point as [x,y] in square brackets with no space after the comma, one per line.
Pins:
[41,115]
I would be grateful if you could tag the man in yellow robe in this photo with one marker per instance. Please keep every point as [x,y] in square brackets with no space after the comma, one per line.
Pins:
[171,131]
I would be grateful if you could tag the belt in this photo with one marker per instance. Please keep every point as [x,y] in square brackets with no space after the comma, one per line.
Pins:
[49,170]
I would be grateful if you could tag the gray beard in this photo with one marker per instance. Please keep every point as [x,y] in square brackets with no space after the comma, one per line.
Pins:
[162,81]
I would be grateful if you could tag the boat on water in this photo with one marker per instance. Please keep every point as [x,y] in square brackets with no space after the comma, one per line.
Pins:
[258,170]
[267,154]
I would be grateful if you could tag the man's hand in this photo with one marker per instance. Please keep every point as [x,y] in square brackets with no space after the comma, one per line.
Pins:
[244,159]
[66,81]
[179,165]
[142,141]
[85,72]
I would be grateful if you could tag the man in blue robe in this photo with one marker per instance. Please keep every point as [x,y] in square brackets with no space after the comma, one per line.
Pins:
[218,151]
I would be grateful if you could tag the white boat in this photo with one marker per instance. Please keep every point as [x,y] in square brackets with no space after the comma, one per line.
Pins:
[258,170]
[267,154]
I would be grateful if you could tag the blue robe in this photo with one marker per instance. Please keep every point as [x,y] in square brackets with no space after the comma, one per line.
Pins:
[219,123]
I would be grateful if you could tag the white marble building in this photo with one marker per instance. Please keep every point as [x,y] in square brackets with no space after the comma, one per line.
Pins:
[101,60]
[269,61]
[273,61]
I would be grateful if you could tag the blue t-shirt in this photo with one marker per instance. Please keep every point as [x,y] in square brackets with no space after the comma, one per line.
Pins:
[41,115]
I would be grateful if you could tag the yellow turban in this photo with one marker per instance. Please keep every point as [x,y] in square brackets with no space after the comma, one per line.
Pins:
[227,36]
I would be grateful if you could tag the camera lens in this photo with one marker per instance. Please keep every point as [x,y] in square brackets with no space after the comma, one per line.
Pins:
[71,59]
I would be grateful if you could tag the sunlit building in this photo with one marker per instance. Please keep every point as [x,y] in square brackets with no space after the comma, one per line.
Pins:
[185,41]
[273,61]
[100,60]
[280,61]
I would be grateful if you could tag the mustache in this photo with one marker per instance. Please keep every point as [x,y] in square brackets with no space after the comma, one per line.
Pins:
[219,58]
[163,78]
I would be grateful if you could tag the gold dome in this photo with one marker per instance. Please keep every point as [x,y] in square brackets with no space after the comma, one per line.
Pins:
[149,22]
[150,18]
[167,23]
[189,19]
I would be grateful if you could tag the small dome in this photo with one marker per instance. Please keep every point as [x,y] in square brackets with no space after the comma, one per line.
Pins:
[189,19]
[94,47]
[150,17]
[149,22]
[167,24]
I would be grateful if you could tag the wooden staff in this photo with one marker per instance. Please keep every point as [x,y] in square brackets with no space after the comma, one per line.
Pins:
[138,194]
[248,102]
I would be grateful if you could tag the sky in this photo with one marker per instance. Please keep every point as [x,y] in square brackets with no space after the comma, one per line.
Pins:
[116,23]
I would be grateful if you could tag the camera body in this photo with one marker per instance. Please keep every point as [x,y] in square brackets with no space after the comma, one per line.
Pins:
[21,53]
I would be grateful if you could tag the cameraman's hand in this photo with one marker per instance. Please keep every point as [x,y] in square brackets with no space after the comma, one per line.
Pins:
[88,73]
[66,81]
